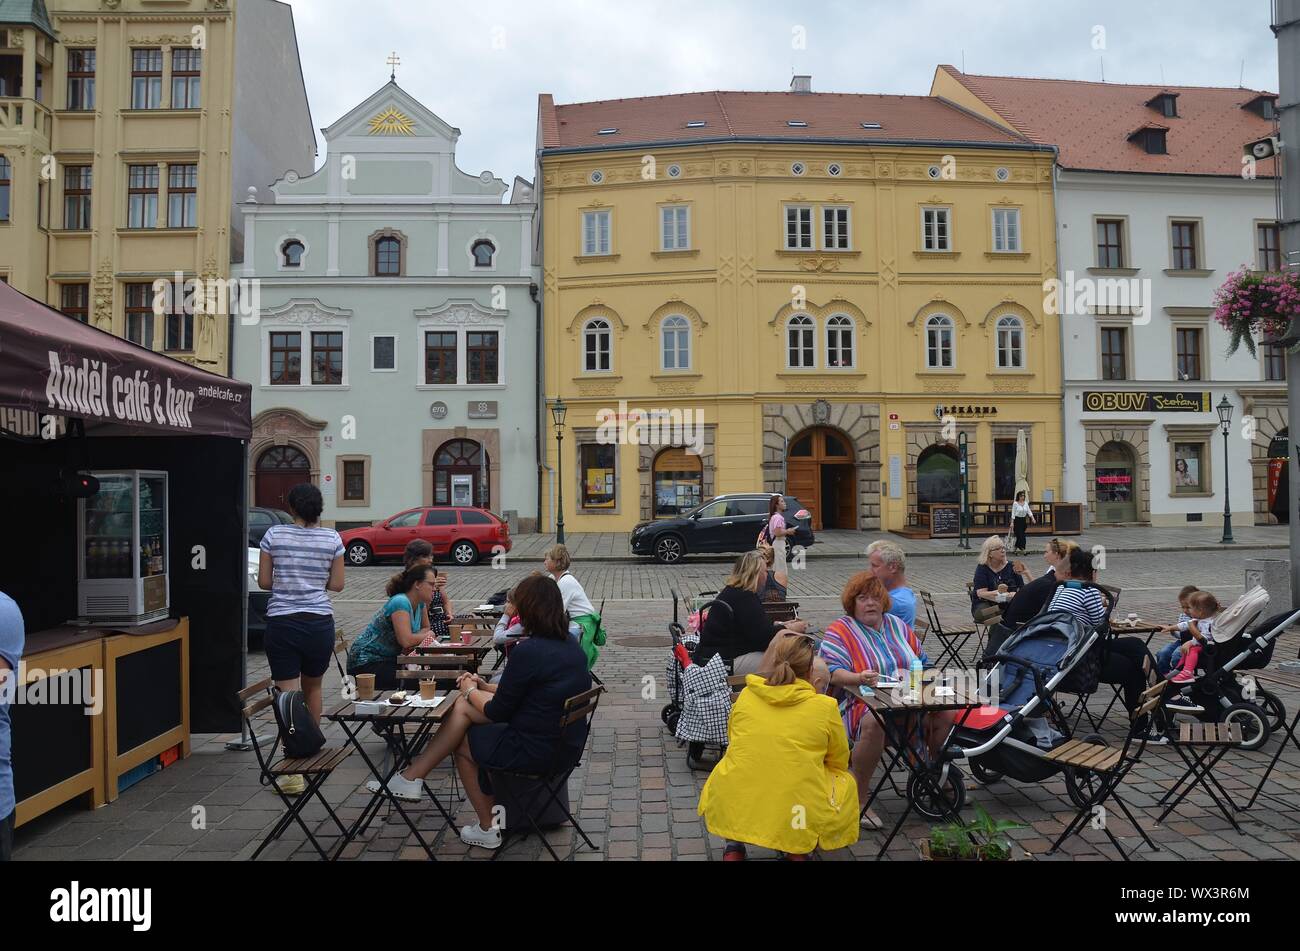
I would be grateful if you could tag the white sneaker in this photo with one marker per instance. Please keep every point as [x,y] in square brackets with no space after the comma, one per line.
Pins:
[409,790]
[483,838]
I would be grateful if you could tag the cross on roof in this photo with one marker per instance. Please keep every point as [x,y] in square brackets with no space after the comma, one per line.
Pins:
[394,61]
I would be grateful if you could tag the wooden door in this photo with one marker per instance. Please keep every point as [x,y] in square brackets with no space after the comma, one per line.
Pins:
[816,461]
[278,470]
[803,481]
[846,510]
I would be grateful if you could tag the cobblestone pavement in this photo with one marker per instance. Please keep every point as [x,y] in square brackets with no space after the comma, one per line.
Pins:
[634,794]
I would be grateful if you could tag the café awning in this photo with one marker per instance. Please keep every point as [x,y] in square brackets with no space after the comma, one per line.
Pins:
[54,365]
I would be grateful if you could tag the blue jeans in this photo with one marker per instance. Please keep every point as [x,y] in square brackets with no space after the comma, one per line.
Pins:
[1166,657]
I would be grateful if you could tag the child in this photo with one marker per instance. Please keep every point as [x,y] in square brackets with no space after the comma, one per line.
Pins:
[1166,655]
[1202,606]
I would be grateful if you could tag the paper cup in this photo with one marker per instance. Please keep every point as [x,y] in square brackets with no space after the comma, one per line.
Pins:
[428,689]
[365,686]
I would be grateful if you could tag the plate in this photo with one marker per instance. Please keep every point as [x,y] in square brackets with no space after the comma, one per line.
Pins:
[421,702]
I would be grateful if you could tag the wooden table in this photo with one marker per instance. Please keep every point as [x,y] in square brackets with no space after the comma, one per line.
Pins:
[480,645]
[1278,678]
[391,724]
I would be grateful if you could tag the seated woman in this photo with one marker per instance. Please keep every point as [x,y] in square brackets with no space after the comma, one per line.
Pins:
[860,648]
[995,577]
[396,629]
[510,630]
[576,603]
[777,586]
[1033,597]
[741,635]
[514,724]
[787,749]
[420,552]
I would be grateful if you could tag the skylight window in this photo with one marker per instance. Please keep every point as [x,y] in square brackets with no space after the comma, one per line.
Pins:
[797,124]
[871,125]
[607,132]
[696,124]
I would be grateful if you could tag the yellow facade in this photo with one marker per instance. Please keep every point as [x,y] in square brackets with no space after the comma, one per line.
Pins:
[738,288]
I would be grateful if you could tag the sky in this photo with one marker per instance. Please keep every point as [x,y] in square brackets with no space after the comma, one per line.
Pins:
[480,67]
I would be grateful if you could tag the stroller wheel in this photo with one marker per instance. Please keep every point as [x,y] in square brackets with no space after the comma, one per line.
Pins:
[983,774]
[1083,785]
[1253,722]
[694,752]
[668,713]
[1274,709]
[951,795]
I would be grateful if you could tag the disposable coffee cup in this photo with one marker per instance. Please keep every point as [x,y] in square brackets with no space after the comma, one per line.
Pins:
[365,686]
[428,689]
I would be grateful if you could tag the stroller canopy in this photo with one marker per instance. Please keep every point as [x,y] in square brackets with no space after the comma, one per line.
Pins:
[1051,643]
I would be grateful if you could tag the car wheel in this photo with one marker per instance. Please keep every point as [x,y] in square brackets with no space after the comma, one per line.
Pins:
[464,553]
[669,550]
[359,554]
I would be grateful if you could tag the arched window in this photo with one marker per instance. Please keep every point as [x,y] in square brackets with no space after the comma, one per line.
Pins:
[675,335]
[839,341]
[484,252]
[291,253]
[799,342]
[460,474]
[1011,343]
[938,343]
[6,173]
[388,256]
[596,345]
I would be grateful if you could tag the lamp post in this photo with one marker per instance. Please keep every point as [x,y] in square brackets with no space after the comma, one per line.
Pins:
[1225,423]
[558,409]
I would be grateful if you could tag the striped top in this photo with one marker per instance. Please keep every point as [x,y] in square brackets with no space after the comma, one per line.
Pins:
[1086,604]
[850,645]
[301,560]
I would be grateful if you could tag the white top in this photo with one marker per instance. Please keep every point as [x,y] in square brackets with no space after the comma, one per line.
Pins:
[1020,510]
[576,601]
[300,563]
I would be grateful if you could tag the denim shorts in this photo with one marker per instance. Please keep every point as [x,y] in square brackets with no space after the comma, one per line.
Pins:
[299,644]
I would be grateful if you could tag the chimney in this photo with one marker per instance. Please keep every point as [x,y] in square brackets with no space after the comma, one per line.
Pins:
[801,84]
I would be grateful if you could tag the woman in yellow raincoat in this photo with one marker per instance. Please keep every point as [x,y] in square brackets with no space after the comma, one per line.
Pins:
[784,782]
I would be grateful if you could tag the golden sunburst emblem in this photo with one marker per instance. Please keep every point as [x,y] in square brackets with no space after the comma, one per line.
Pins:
[391,122]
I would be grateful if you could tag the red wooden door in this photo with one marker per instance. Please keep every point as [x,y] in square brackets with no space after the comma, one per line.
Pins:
[279,470]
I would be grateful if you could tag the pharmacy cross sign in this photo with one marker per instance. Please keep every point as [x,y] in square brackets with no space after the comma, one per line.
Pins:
[393,61]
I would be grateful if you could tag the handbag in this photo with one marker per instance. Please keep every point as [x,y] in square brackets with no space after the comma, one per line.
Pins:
[300,734]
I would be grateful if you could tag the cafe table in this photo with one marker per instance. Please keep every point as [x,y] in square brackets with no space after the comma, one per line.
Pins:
[405,729]
[1136,627]
[480,645]
[1278,678]
[901,716]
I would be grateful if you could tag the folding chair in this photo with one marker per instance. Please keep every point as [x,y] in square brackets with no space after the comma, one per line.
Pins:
[551,782]
[341,646]
[781,610]
[1211,742]
[314,769]
[951,639]
[1109,766]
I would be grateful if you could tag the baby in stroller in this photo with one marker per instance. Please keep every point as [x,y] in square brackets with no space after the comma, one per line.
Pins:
[1202,606]
[1169,654]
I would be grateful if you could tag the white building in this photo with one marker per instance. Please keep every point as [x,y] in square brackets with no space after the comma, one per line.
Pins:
[1154,213]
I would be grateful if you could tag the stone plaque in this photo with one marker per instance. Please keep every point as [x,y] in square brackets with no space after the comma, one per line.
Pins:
[482,409]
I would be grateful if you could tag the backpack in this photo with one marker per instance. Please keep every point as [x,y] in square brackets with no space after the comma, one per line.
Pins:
[300,734]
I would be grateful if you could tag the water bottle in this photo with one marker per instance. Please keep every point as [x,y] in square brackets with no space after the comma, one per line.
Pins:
[918,675]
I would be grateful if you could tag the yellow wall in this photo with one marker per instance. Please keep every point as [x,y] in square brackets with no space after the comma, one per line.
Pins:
[737,287]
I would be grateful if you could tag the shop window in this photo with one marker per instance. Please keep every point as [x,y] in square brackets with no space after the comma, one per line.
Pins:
[1191,468]
[678,482]
[597,470]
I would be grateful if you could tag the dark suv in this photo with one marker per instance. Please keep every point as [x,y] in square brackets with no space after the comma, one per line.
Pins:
[727,523]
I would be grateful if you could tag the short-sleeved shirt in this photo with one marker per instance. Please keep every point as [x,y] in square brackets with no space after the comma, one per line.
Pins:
[1087,604]
[12,636]
[776,524]
[986,579]
[902,605]
[301,559]
[378,642]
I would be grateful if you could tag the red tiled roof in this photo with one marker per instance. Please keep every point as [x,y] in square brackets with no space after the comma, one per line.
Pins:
[749,115]
[1091,122]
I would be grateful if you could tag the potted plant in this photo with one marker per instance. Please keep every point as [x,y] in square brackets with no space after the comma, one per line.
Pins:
[983,839]
[1266,303]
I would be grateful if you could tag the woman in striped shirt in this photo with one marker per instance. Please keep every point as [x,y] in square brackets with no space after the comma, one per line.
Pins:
[861,648]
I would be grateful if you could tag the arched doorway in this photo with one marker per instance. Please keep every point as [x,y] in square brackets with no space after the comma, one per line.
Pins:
[820,473]
[1116,483]
[938,478]
[460,474]
[677,478]
[279,469]
[1279,478]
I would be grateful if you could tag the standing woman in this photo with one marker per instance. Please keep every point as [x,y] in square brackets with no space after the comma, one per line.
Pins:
[579,607]
[775,532]
[1021,515]
[300,564]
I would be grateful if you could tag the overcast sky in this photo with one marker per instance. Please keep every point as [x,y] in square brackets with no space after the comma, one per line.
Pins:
[481,66]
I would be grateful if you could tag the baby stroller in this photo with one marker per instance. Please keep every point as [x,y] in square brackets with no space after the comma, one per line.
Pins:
[1054,652]
[1219,694]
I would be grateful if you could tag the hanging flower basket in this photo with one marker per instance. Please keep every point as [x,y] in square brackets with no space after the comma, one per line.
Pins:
[1263,303]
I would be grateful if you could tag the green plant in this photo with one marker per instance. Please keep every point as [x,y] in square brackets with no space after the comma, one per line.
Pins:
[983,839]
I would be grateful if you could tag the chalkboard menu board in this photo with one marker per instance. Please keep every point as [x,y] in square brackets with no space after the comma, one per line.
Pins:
[945,521]
[1067,518]
[148,694]
[52,742]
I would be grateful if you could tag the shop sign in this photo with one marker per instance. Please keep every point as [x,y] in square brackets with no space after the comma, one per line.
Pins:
[438,410]
[482,409]
[1130,401]
[969,410]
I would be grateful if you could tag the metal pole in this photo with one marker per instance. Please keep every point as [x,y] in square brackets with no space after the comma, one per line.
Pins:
[559,486]
[963,535]
[1287,27]
[1227,538]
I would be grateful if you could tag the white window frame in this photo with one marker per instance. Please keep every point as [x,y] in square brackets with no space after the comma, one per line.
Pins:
[826,211]
[681,325]
[941,322]
[786,211]
[681,216]
[607,331]
[394,367]
[602,218]
[841,324]
[937,210]
[305,330]
[469,253]
[1013,327]
[805,324]
[1010,229]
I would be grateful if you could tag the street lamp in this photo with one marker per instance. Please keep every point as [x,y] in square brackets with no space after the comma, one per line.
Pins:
[558,409]
[1225,423]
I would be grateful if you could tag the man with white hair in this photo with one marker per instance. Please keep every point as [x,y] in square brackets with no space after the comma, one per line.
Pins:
[889,564]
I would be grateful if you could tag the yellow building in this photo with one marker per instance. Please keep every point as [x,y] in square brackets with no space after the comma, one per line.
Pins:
[127,132]
[833,286]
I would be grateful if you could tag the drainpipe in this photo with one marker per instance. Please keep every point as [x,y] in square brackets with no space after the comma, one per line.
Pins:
[540,401]
[1060,337]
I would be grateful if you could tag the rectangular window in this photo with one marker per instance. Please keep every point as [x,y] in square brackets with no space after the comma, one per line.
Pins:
[76,197]
[383,353]
[596,469]
[936,229]
[1274,362]
[1004,470]
[1188,342]
[1006,229]
[187,64]
[11,76]
[1110,243]
[835,229]
[139,314]
[74,300]
[81,79]
[327,358]
[1189,476]
[182,196]
[1184,245]
[146,78]
[1268,247]
[286,359]
[142,196]
[675,228]
[354,480]
[1114,353]
[481,351]
[179,327]
[6,184]
[798,228]
[440,357]
[595,232]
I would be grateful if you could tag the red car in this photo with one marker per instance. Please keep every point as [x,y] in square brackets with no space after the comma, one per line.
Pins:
[463,534]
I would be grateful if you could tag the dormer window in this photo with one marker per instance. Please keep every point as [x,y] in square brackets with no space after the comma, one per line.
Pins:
[607,132]
[796,124]
[1165,103]
[1151,138]
[1263,106]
